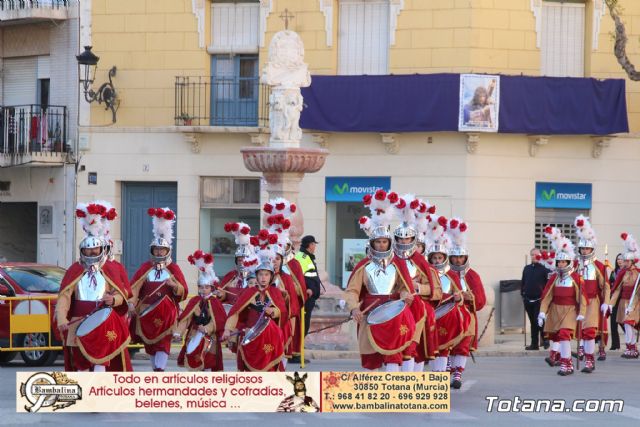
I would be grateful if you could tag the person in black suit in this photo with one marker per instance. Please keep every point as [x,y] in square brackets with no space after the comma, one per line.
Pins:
[534,279]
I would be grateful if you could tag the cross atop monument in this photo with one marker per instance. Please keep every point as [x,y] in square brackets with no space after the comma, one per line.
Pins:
[286,16]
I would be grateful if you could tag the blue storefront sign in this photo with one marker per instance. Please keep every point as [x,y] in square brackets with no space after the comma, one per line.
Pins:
[353,188]
[561,195]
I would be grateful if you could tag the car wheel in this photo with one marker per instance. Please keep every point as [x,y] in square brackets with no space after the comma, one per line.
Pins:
[36,357]
[7,356]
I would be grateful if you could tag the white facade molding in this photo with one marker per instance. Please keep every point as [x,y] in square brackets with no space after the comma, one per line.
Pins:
[197,7]
[473,140]
[536,8]
[599,143]
[192,138]
[535,142]
[599,10]
[326,6]
[266,7]
[390,142]
[321,138]
[395,7]
[259,139]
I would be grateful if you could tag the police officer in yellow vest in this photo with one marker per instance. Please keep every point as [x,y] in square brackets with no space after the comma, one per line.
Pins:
[306,257]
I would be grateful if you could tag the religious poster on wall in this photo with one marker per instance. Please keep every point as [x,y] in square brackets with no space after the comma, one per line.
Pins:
[353,251]
[479,103]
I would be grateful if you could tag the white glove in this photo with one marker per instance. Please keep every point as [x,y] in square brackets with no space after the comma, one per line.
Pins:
[541,318]
[604,308]
[580,318]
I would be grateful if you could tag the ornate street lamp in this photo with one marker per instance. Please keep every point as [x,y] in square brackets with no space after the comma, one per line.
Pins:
[88,63]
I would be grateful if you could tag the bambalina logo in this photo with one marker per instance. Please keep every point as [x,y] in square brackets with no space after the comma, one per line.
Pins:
[53,390]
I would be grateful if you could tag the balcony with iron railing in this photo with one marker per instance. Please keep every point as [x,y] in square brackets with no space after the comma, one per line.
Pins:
[33,135]
[221,102]
[34,10]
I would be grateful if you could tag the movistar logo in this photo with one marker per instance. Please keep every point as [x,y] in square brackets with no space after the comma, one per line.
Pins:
[548,195]
[341,189]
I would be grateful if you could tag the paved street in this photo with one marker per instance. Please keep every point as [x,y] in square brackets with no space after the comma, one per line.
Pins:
[506,377]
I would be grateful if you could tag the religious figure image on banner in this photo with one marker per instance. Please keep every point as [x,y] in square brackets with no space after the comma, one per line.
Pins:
[479,103]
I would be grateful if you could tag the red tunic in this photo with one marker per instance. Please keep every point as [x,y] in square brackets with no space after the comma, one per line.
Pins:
[273,344]
[232,284]
[72,357]
[147,292]
[301,289]
[213,358]
[453,327]
[293,310]
[428,344]
[122,364]
[474,283]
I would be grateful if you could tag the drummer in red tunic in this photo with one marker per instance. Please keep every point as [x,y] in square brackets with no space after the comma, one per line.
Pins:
[473,296]
[452,327]
[423,277]
[428,286]
[87,286]
[381,278]
[118,364]
[158,286]
[236,280]
[203,320]
[280,212]
[564,302]
[258,316]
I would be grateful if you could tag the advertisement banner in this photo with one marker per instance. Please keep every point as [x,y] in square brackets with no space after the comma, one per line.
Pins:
[479,103]
[353,251]
[558,195]
[232,392]
[353,188]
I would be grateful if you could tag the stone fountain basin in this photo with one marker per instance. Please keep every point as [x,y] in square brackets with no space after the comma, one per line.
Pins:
[287,160]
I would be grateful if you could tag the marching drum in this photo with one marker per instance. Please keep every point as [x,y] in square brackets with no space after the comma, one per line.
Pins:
[444,309]
[155,321]
[197,348]
[101,335]
[385,312]
[262,346]
[391,327]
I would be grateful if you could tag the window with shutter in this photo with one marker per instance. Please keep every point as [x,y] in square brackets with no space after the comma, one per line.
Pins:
[363,37]
[234,27]
[562,41]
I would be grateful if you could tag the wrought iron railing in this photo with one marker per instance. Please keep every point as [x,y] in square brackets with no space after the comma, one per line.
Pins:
[33,4]
[33,128]
[216,101]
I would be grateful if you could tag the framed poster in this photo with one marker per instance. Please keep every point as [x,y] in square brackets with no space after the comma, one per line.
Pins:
[353,251]
[45,219]
[479,103]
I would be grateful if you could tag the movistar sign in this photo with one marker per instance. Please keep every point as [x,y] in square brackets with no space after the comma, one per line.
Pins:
[353,188]
[559,195]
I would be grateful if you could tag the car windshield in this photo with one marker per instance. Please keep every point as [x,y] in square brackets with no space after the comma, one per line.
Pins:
[37,279]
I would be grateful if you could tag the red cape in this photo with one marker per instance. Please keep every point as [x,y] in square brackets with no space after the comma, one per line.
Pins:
[576,278]
[618,279]
[472,278]
[76,270]
[215,309]
[173,269]
[398,263]
[423,265]
[247,295]
[227,278]
[298,277]
[294,305]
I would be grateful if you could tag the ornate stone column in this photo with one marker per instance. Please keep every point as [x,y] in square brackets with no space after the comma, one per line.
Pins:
[283,163]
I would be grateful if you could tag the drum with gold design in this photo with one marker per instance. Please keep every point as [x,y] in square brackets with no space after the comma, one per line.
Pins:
[157,320]
[262,346]
[102,335]
[391,327]
[197,348]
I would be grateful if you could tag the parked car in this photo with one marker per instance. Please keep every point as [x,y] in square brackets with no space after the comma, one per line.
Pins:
[28,279]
